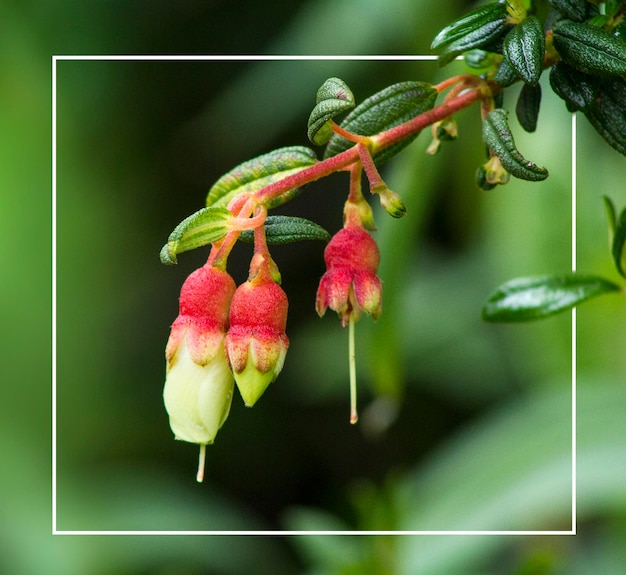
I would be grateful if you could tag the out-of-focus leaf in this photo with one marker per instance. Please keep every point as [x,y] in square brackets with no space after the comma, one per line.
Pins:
[619,239]
[260,172]
[524,47]
[527,107]
[590,49]
[577,10]
[384,110]
[206,226]
[288,229]
[537,297]
[333,98]
[497,135]
[474,30]
[611,216]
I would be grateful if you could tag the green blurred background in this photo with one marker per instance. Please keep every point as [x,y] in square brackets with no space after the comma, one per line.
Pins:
[464,426]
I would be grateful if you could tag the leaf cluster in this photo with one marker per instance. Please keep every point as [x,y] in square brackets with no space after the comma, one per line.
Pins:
[584,47]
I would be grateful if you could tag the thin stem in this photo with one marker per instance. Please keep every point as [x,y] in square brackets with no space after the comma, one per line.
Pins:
[352,360]
[380,141]
[368,165]
[201,461]
[348,135]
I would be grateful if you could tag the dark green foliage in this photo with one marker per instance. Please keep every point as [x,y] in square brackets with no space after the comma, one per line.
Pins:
[527,108]
[577,10]
[288,229]
[497,135]
[475,29]
[384,110]
[524,48]
[590,49]
[333,98]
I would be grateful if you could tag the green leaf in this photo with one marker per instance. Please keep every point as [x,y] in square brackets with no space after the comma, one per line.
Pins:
[611,216]
[619,239]
[527,108]
[386,109]
[607,113]
[333,98]
[576,10]
[206,226]
[475,29]
[288,229]
[531,298]
[576,88]
[260,172]
[497,135]
[506,74]
[524,47]
[590,49]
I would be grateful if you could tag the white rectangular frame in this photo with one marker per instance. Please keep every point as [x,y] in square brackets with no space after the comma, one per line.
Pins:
[416,58]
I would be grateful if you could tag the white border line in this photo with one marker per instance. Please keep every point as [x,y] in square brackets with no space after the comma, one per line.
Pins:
[55,531]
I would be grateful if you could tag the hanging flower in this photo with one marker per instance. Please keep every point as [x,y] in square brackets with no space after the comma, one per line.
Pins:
[199,384]
[256,343]
[350,285]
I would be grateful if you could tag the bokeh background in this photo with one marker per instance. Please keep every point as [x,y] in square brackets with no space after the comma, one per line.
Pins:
[464,425]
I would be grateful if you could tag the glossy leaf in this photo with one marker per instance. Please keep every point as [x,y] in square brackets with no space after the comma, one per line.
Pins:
[524,48]
[386,109]
[333,98]
[260,172]
[288,229]
[497,135]
[531,298]
[577,10]
[527,107]
[619,239]
[206,226]
[590,49]
[476,29]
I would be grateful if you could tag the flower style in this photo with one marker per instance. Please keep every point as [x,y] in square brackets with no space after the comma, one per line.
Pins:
[199,384]
[256,343]
[350,285]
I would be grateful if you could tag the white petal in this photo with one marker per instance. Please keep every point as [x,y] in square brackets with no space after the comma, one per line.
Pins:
[197,398]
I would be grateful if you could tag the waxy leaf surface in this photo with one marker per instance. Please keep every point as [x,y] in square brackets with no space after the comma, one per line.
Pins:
[532,298]
[524,48]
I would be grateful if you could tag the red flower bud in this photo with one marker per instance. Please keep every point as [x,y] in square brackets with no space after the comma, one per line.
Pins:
[256,343]
[350,284]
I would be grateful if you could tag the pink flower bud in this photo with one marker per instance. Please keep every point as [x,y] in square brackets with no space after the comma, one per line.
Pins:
[199,384]
[350,284]
[256,343]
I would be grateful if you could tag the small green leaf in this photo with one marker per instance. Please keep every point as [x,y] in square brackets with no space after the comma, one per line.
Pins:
[333,98]
[260,172]
[288,229]
[619,239]
[497,135]
[531,298]
[590,49]
[527,107]
[206,226]
[576,10]
[475,29]
[524,47]
[384,110]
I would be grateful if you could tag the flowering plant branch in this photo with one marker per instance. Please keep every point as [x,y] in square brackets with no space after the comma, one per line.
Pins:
[227,336]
